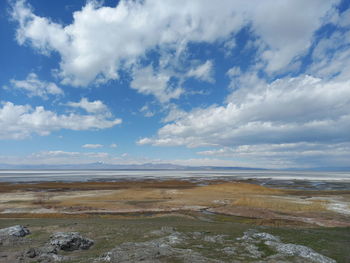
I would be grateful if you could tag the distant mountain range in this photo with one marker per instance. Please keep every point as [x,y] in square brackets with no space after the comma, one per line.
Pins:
[145,166]
[152,166]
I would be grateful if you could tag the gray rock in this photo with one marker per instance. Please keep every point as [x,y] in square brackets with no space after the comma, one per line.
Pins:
[299,251]
[47,253]
[70,241]
[265,237]
[31,253]
[16,231]
[157,250]
[251,240]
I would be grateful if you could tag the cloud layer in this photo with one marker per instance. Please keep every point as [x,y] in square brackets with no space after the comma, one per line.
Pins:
[21,121]
[129,30]
[282,69]
[287,110]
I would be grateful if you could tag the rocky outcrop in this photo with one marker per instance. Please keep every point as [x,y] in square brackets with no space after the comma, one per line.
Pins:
[67,241]
[281,251]
[253,246]
[155,251]
[14,231]
[45,253]
[70,241]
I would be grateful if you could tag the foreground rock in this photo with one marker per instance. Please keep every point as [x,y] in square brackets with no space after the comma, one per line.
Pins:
[155,251]
[14,231]
[251,247]
[67,241]
[70,241]
[281,252]
[13,235]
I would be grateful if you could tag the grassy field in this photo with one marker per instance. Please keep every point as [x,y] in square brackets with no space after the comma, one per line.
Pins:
[328,208]
[110,232]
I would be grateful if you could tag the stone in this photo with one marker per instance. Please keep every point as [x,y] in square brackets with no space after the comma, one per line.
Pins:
[154,251]
[70,241]
[16,231]
[294,250]
[31,253]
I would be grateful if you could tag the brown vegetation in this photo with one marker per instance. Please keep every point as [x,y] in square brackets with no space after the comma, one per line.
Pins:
[102,198]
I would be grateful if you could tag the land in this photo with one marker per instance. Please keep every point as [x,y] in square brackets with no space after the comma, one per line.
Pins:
[114,213]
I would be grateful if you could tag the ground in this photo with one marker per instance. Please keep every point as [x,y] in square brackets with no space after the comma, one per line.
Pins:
[112,213]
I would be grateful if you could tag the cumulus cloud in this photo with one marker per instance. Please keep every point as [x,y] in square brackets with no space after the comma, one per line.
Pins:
[21,121]
[96,106]
[131,28]
[36,87]
[203,72]
[92,146]
[147,82]
[113,145]
[285,111]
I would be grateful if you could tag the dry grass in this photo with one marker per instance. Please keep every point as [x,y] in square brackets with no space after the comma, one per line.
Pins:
[151,196]
[281,204]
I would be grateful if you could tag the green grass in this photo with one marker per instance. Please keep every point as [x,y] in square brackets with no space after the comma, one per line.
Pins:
[109,233]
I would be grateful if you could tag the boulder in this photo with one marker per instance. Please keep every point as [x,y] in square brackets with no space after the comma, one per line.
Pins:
[15,231]
[70,241]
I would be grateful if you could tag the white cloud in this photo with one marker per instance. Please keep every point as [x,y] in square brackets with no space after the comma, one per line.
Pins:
[113,145]
[96,106]
[21,121]
[234,72]
[147,82]
[147,112]
[92,146]
[287,28]
[300,154]
[203,72]
[331,56]
[131,28]
[36,87]
[285,111]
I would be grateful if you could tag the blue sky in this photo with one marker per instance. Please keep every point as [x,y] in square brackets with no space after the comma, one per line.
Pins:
[240,83]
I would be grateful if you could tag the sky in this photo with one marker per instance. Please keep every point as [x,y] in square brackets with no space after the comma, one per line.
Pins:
[231,83]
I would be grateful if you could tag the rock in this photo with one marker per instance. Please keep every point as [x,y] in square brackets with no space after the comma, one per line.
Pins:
[70,241]
[16,231]
[31,253]
[48,249]
[46,253]
[252,240]
[299,251]
[154,251]
[265,237]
